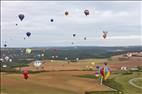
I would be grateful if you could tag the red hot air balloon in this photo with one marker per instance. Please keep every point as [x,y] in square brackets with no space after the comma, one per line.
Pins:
[86,12]
[21,16]
[25,74]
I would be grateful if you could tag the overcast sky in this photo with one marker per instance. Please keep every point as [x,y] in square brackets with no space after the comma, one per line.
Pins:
[122,20]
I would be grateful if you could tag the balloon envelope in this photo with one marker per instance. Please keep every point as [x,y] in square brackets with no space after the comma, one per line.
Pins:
[5,45]
[74,35]
[66,13]
[104,34]
[21,16]
[28,34]
[28,51]
[86,12]
[37,63]
[4,66]
[6,58]
[52,20]
[10,60]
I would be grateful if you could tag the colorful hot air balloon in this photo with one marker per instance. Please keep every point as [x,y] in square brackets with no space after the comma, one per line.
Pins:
[28,34]
[21,16]
[86,12]
[66,13]
[105,72]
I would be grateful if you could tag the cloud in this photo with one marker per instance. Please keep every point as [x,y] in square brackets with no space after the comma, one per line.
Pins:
[120,19]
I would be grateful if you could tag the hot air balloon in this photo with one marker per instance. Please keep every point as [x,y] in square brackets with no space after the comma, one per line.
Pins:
[5,45]
[66,58]
[97,67]
[21,16]
[16,24]
[66,13]
[6,58]
[37,63]
[74,35]
[51,20]
[28,51]
[93,63]
[85,38]
[56,56]
[24,38]
[25,74]
[97,74]
[1,60]
[42,54]
[77,59]
[53,56]
[72,43]
[104,34]
[10,60]
[105,72]
[86,12]
[4,66]
[28,34]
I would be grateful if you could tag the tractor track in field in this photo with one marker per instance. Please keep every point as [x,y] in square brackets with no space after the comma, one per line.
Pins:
[133,84]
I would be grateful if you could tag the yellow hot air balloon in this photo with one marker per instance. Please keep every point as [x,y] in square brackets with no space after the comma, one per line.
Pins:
[28,51]
[93,63]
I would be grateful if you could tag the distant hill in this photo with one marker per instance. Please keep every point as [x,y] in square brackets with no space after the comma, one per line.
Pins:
[82,52]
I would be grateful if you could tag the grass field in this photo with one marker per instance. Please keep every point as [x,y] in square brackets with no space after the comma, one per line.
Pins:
[120,82]
[138,82]
[75,81]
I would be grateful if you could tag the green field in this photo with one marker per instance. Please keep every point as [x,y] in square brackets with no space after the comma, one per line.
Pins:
[120,83]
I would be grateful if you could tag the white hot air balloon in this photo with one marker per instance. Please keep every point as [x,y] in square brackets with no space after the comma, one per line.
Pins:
[6,58]
[4,66]
[66,58]
[37,63]
[77,59]
[42,55]
[1,60]
[53,56]
[10,60]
